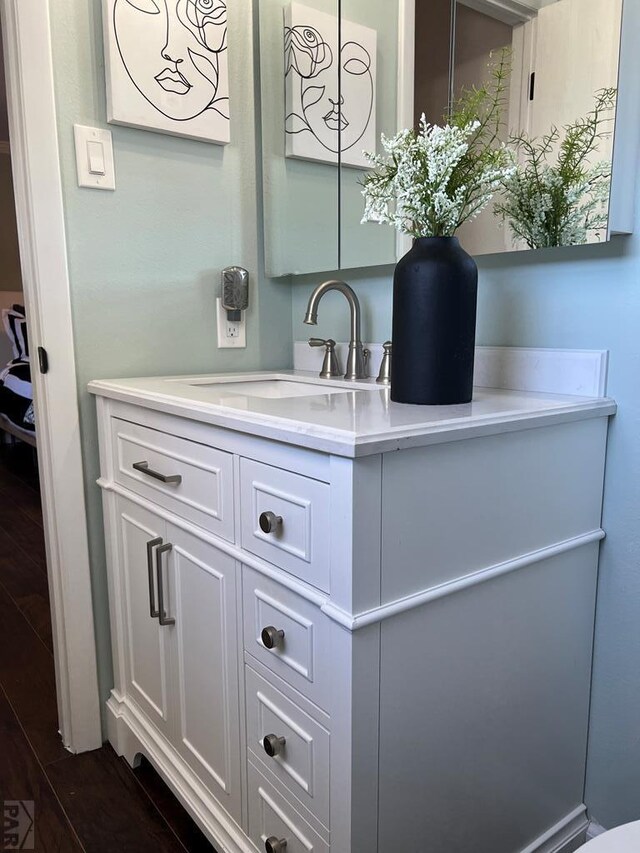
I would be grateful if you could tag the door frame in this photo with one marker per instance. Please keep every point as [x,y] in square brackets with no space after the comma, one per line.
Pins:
[406,87]
[33,131]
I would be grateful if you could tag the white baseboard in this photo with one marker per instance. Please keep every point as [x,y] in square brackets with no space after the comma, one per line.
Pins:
[562,837]
[131,736]
[594,830]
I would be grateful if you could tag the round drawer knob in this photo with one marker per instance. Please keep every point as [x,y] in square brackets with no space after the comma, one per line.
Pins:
[271,637]
[273,745]
[269,522]
[275,845]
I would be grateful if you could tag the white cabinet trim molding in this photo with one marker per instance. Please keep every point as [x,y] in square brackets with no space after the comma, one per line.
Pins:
[402,605]
[128,729]
[385,611]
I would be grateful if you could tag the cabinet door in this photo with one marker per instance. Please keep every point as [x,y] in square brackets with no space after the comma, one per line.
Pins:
[147,646]
[206,651]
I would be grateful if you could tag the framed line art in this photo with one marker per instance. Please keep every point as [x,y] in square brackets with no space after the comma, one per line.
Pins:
[166,66]
[330,89]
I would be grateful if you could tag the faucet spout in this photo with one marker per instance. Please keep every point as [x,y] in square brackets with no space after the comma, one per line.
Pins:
[355,361]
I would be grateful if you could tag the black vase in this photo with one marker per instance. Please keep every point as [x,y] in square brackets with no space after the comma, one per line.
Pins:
[435,294]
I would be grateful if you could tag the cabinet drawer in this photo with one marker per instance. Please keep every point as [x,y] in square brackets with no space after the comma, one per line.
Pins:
[298,509]
[300,760]
[202,491]
[272,817]
[296,655]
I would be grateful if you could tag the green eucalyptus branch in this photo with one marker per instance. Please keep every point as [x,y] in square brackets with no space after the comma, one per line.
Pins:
[563,202]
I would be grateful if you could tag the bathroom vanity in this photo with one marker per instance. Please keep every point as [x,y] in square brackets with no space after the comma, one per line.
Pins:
[344,625]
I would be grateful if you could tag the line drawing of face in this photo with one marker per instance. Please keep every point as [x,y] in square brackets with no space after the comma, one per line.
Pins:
[335,107]
[170,50]
[357,88]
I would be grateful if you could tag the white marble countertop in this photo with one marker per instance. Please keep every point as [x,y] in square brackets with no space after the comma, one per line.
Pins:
[344,418]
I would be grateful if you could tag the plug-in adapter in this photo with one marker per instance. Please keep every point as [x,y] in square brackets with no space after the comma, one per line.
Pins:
[235,292]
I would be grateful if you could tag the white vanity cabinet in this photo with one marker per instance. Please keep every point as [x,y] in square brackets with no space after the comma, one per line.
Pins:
[382,646]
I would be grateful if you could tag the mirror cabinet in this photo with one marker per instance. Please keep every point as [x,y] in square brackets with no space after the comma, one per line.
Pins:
[336,74]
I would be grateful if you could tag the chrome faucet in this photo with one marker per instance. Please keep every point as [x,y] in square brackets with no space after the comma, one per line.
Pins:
[356,357]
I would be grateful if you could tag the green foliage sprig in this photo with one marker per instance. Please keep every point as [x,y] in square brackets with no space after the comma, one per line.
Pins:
[563,202]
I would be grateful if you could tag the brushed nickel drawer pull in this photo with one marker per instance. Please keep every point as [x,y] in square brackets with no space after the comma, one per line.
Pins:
[275,845]
[151,544]
[269,522]
[273,745]
[164,478]
[271,637]
[162,615]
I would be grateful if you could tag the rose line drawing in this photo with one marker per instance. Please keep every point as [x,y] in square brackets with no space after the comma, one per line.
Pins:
[330,89]
[174,53]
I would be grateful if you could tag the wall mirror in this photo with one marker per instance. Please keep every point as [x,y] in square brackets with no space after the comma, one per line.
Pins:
[563,53]
[329,85]
[335,74]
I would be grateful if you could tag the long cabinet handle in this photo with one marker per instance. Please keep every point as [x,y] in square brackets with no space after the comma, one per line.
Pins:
[164,619]
[151,544]
[164,478]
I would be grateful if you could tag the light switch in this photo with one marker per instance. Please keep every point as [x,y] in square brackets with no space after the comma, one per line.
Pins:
[94,157]
[95,151]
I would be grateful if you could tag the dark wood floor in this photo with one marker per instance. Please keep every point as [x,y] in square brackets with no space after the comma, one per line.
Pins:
[94,801]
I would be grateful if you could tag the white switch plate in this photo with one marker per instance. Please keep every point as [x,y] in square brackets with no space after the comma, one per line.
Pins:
[230,335]
[87,140]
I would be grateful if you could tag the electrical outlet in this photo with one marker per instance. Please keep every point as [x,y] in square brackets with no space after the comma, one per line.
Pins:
[230,335]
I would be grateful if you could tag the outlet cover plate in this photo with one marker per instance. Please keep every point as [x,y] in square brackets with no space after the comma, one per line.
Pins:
[230,335]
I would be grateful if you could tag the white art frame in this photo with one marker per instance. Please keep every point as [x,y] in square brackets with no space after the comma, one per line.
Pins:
[166,66]
[330,91]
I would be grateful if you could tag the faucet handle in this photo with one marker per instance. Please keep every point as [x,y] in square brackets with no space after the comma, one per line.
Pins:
[320,342]
[384,377]
[330,365]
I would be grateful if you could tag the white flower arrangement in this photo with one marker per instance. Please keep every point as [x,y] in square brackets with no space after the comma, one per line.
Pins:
[432,180]
[416,188]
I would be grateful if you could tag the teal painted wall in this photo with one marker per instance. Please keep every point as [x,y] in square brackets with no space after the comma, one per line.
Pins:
[584,297]
[145,260]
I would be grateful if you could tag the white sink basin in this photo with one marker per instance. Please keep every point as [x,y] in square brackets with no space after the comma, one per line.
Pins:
[268,387]
[273,389]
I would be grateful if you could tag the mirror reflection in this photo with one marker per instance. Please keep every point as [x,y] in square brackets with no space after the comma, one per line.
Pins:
[330,87]
[369,244]
[298,71]
[329,79]
[558,119]
[336,74]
